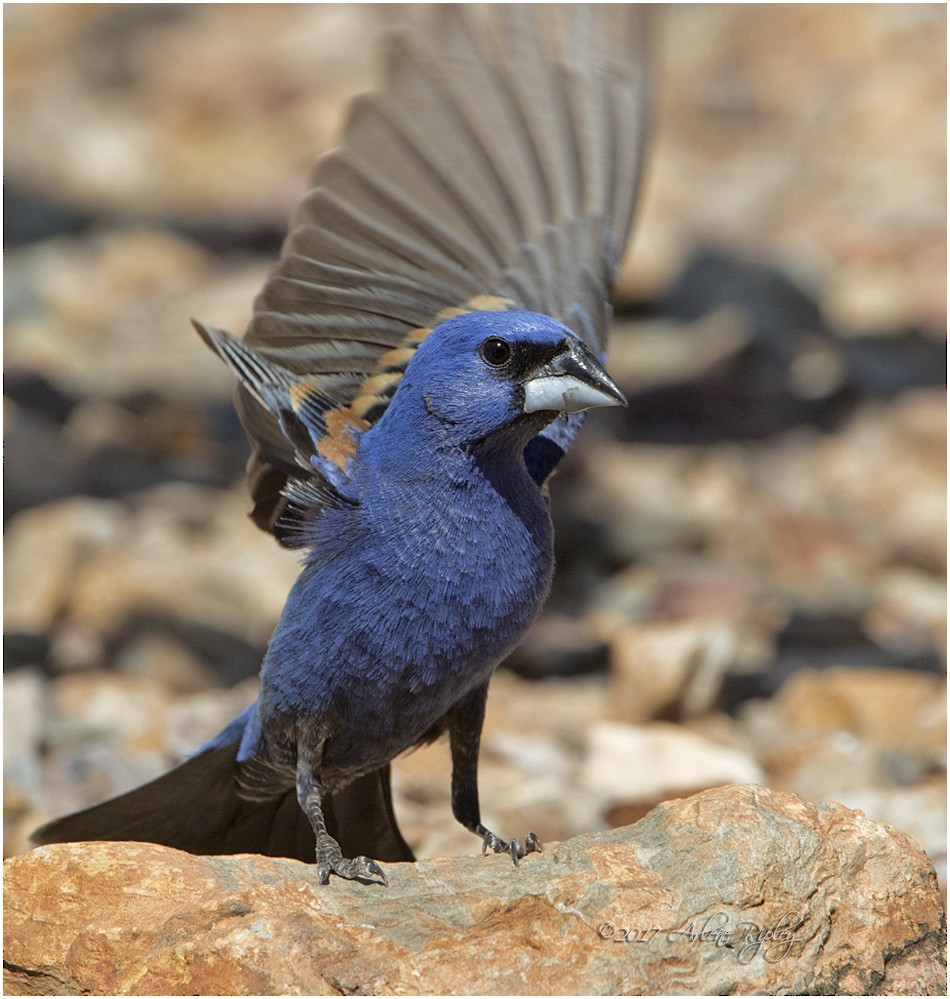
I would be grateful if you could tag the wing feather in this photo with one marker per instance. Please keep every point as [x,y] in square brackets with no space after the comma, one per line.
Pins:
[497,168]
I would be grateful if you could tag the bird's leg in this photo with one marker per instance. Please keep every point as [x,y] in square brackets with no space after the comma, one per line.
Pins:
[465,731]
[330,859]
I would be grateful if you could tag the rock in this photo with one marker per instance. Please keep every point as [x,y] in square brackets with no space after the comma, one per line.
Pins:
[848,524]
[881,478]
[43,549]
[751,156]
[871,738]
[892,709]
[670,667]
[911,612]
[652,500]
[734,891]
[104,733]
[558,645]
[22,771]
[844,730]
[532,747]
[186,553]
[101,734]
[919,811]
[147,106]
[819,563]
[647,353]
[194,720]
[207,563]
[637,761]
[161,656]
[108,314]
[152,120]
[131,710]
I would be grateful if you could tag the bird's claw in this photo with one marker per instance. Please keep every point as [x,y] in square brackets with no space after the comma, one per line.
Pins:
[512,847]
[355,869]
[532,844]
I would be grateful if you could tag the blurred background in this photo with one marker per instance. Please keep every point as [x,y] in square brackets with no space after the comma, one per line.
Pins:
[752,557]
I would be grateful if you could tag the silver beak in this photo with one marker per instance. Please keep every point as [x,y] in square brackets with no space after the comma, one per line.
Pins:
[572,381]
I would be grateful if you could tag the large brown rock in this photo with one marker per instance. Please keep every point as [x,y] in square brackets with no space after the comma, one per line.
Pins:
[735,890]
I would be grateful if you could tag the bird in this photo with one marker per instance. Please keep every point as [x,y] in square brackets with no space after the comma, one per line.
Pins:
[417,364]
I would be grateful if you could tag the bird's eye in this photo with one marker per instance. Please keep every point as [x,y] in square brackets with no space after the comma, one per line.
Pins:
[496,352]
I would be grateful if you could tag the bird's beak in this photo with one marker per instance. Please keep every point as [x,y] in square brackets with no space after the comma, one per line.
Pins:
[573,380]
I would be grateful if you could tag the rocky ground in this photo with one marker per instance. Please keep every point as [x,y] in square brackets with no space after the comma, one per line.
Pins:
[735,891]
[752,557]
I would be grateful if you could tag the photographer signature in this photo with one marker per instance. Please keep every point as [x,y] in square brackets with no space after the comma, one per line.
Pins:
[747,939]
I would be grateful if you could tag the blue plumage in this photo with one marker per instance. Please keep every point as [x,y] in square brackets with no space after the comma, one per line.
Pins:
[416,367]
[417,592]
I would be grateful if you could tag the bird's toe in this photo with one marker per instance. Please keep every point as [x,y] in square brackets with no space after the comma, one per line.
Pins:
[330,860]
[532,844]
[355,869]
[512,847]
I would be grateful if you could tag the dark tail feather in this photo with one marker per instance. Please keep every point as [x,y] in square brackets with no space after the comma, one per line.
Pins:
[195,807]
[361,819]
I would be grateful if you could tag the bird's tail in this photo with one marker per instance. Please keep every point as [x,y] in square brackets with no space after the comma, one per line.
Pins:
[196,807]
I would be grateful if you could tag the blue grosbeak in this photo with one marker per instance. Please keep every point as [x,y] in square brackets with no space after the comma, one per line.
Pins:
[416,366]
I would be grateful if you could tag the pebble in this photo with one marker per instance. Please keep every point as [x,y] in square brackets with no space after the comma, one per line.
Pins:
[23,718]
[109,314]
[43,548]
[668,667]
[81,561]
[892,709]
[637,761]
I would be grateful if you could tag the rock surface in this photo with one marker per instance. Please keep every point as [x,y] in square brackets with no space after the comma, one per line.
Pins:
[733,891]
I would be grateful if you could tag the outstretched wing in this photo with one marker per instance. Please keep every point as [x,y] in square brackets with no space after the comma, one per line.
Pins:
[497,169]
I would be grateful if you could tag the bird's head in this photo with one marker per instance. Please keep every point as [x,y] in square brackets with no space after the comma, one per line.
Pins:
[482,372]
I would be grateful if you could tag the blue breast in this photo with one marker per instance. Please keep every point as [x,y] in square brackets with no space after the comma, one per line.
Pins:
[408,602]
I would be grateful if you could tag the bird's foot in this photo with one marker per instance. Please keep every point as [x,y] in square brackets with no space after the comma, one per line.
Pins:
[330,860]
[512,847]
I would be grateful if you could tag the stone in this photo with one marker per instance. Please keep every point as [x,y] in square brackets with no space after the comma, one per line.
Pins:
[42,550]
[738,890]
[648,353]
[911,611]
[558,645]
[873,739]
[193,720]
[920,812]
[881,479]
[893,709]
[107,314]
[819,564]
[653,499]
[669,667]
[844,730]
[22,771]
[132,710]
[637,761]
[101,734]
[532,747]
[154,120]
[751,155]
[80,561]
[156,656]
